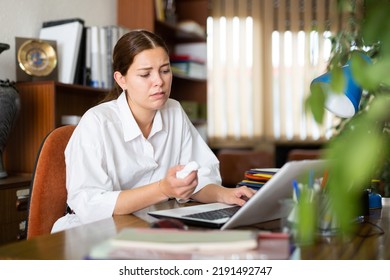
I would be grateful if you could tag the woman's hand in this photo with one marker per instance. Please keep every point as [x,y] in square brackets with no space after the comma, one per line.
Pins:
[216,193]
[173,187]
[236,195]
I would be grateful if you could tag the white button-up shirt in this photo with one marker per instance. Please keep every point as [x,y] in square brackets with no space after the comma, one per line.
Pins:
[108,153]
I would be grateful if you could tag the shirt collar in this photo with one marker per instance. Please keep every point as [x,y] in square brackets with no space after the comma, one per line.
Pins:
[157,124]
[130,127]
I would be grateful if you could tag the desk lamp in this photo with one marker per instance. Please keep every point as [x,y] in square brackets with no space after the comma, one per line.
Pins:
[344,104]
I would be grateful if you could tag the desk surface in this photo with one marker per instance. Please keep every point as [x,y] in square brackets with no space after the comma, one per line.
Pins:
[77,242]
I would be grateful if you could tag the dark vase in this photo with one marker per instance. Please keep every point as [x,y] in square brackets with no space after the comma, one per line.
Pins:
[9,110]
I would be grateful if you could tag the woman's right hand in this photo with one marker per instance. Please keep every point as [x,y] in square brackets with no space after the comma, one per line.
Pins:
[173,187]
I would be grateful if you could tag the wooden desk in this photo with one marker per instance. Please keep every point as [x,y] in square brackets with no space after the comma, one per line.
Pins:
[372,241]
[77,242]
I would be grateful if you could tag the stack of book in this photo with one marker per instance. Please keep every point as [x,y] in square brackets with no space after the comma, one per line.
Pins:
[186,65]
[255,178]
[100,43]
[174,244]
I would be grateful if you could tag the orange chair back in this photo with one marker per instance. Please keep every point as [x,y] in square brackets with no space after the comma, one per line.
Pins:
[48,187]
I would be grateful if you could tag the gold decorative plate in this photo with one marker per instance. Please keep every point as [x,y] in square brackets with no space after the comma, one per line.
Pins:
[37,58]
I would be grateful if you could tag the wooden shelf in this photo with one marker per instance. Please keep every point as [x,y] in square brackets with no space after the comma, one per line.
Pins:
[173,33]
[43,104]
[141,14]
[185,77]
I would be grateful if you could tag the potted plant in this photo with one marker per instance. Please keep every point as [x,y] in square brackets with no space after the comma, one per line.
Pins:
[359,151]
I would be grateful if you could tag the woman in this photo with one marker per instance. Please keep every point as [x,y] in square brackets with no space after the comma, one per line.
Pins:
[124,154]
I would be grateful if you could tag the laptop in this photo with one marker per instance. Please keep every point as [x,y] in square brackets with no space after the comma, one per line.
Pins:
[264,205]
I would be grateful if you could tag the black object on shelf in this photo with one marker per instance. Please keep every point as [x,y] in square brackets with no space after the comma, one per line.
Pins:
[9,110]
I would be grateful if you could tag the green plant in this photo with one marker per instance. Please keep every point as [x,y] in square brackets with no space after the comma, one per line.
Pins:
[360,148]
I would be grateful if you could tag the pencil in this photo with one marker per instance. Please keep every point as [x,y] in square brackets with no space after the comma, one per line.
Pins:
[324,179]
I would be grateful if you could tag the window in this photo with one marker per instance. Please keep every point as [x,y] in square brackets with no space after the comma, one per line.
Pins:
[262,56]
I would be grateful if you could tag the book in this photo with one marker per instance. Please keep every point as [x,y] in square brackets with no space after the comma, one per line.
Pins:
[159,10]
[96,80]
[174,240]
[152,243]
[193,69]
[103,47]
[255,178]
[88,57]
[80,71]
[194,51]
[112,38]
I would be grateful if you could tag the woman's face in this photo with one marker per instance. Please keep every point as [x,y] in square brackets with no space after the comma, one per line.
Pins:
[148,80]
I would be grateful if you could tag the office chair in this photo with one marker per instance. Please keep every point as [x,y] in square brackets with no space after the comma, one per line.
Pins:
[48,189]
[234,163]
[301,154]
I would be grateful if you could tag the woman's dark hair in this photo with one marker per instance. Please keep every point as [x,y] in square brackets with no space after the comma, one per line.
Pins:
[127,47]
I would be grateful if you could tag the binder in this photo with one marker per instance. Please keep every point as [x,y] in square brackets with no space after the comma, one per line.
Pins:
[68,34]
[103,57]
[95,58]
[88,58]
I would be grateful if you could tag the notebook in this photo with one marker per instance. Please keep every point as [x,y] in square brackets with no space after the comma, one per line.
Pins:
[264,206]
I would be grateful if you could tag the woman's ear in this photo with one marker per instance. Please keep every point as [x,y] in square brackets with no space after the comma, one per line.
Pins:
[120,79]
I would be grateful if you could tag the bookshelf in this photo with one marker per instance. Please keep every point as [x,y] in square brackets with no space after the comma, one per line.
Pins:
[43,104]
[142,14]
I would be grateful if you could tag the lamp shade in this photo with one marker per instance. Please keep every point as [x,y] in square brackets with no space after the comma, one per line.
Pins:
[344,104]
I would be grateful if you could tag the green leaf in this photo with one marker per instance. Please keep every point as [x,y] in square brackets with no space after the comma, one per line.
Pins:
[316,102]
[378,74]
[370,75]
[376,23]
[307,217]
[379,108]
[337,80]
[360,69]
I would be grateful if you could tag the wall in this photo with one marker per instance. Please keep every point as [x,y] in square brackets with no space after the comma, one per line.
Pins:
[23,18]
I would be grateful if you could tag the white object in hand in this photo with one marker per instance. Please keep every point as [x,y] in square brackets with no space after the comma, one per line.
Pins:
[191,166]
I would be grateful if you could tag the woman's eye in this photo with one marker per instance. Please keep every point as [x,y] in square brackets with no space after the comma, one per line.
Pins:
[165,71]
[145,75]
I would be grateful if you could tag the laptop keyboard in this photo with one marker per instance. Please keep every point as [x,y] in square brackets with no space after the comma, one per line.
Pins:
[215,214]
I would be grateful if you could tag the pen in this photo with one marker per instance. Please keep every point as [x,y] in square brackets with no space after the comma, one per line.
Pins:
[311,178]
[324,179]
[296,189]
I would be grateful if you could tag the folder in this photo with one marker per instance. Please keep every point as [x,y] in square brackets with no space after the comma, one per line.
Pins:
[67,34]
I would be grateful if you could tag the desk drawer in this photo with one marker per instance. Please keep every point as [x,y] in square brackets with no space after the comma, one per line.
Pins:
[12,232]
[13,204]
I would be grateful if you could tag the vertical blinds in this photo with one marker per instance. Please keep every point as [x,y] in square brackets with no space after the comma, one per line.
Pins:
[262,55]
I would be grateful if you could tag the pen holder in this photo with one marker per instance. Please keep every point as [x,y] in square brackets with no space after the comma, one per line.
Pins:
[288,220]
[327,222]
[309,217]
